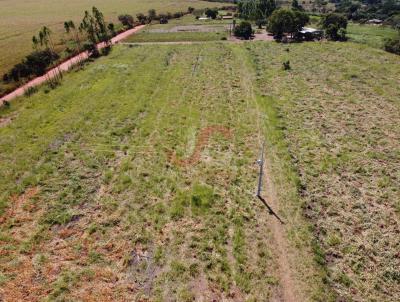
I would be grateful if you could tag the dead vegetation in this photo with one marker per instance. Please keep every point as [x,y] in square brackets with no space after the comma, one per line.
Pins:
[202,140]
[343,137]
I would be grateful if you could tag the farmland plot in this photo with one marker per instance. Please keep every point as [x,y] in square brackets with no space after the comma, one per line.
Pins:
[20,20]
[339,111]
[137,179]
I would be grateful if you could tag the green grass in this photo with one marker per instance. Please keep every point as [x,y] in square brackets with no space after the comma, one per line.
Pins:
[177,37]
[20,20]
[184,29]
[98,148]
[338,109]
[372,35]
[116,217]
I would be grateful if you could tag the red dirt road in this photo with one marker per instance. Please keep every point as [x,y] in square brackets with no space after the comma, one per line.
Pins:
[65,66]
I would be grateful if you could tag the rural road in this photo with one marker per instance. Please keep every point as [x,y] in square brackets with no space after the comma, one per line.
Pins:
[65,66]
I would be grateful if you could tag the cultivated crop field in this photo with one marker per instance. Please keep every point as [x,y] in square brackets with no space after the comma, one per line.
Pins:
[20,20]
[135,179]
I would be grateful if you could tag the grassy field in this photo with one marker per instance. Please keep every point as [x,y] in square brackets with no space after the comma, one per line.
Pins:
[186,28]
[104,204]
[371,35]
[339,111]
[20,20]
[114,188]
[177,37]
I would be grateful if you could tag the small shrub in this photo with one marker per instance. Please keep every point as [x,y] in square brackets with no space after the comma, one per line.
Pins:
[30,91]
[194,270]
[56,216]
[211,13]
[126,20]
[53,84]
[105,51]
[286,65]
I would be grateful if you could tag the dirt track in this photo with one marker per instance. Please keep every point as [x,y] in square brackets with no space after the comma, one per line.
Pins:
[65,66]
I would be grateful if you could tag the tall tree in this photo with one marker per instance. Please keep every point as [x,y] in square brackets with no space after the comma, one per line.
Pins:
[256,9]
[96,30]
[45,39]
[70,27]
[152,15]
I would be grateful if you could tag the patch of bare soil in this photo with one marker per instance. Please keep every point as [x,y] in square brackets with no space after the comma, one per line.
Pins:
[202,141]
[257,37]
[263,37]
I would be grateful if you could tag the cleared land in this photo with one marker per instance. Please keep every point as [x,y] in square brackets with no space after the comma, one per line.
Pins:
[339,111]
[184,29]
[100,209]
[20,20]
[371,35]
[115,188]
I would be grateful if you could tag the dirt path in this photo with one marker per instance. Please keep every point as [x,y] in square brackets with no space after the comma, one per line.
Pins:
[289,291]
[65,66]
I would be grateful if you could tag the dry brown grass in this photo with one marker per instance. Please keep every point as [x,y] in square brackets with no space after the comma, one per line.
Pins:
[201,143]
[339,112]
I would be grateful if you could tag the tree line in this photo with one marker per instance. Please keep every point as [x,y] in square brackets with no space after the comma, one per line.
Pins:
[286,21]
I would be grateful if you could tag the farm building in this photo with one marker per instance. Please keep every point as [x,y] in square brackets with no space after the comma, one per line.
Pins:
[309,33]
[374,21]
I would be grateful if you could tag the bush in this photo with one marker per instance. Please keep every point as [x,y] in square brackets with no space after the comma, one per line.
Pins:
[177,15]
[152,15]
[141,18]
[126,20]
[243,30]
[335,26]
[30,91]
[91,48]
[35,64]
[163,20]
[211,13]
[286,65]
[105,51]
[393,45]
